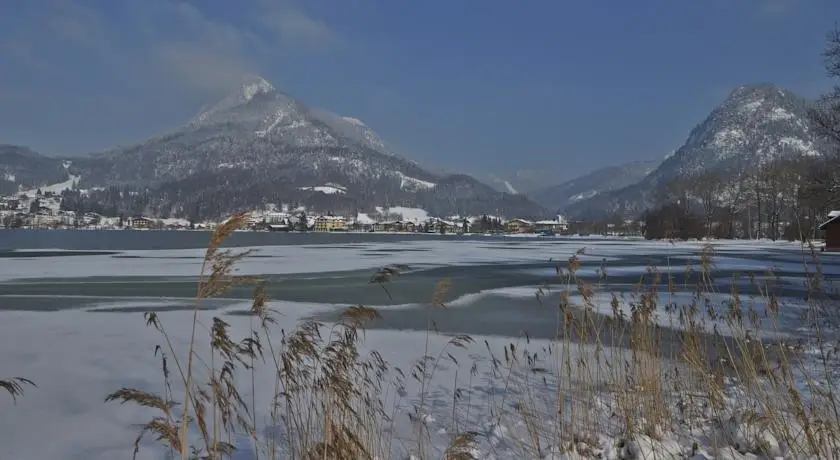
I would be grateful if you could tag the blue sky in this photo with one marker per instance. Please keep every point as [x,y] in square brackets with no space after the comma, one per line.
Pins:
[472,85]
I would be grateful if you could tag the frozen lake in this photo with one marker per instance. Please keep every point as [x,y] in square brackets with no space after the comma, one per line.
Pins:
[492,279]
[72,302]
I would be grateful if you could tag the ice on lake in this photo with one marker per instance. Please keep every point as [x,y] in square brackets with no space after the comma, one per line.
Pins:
[78,355]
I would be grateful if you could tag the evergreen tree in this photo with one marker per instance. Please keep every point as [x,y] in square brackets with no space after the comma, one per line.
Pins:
[302,222]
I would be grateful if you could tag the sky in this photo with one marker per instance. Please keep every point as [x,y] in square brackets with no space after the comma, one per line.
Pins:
[469,85]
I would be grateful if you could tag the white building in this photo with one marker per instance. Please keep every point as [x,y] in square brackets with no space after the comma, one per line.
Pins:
[44,220]
[276,217]
[560,224]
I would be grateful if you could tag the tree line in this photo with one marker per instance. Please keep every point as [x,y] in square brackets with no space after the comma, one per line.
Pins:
[784,198]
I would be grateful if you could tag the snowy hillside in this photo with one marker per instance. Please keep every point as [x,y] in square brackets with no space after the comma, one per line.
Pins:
[259,145]
[523,181]
[756,124]
[23,169]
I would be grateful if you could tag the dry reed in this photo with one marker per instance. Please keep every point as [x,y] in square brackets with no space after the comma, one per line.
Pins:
[15,386]
[601,374]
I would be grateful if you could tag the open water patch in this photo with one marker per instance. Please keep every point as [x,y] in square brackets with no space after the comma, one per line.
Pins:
[196,257]
[30,254]
[151,307]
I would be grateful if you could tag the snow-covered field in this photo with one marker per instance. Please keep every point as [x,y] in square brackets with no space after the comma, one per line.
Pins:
[78,357]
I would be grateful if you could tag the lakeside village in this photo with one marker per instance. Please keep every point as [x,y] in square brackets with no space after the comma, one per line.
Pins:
[42,210]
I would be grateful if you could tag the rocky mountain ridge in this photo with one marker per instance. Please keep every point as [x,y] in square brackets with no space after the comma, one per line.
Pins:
[754,125]
[259,145]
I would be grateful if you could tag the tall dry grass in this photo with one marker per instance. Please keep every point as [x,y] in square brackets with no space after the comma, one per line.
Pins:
[625,375]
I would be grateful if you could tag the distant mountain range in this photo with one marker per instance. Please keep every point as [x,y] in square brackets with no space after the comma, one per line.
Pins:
[521,182]
[259,145]
[595,183]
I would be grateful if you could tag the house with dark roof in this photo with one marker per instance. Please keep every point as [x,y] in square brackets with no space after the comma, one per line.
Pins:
[831,230]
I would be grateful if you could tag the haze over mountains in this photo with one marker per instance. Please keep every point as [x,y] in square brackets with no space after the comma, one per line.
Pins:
[592,184]
[523,181]
[259,145]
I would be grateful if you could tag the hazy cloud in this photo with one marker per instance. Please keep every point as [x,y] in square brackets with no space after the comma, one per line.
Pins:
[200,68]
[203,54]
[172,41]
[292,27]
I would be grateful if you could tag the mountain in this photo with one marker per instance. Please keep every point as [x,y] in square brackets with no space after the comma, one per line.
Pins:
[753,126]
[594,183]
[22,169]
[354,129]
[259,145]
[523,181]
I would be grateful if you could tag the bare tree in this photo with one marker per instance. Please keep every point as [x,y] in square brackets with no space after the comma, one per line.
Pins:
[708,186]
[826,114]
[822,183]
[772,177]
[732,193]
[820,188]
[754,198]
[793,184]
[674,191]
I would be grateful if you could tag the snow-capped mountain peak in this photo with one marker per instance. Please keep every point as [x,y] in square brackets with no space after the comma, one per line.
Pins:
[247,91]
[256,86]
[760,121]
[755,90]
